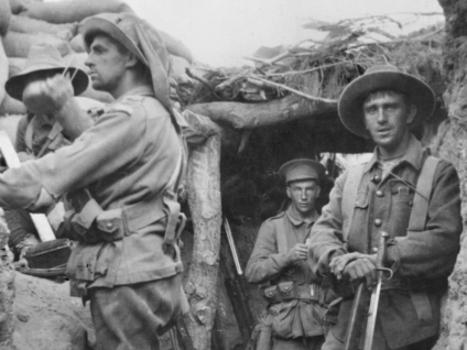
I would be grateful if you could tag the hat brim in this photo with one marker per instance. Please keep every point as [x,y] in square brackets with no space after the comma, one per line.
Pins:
[16,84]
[92,26]
[317,166]
[350,105]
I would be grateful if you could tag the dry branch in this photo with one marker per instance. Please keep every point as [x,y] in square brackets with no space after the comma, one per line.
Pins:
[253,115]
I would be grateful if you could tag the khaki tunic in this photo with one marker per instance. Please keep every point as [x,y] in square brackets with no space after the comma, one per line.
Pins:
[268,265]
[409,308]
[125,159]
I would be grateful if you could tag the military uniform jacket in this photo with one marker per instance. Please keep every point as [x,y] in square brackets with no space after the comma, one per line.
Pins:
[409,308]
[268,265]
[125,159]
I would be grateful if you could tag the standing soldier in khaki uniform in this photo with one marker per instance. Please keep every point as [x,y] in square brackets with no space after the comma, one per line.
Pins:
[383,104]
[119,178]
[279,262]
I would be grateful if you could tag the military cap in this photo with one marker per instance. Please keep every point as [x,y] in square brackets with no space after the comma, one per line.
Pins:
[301,169]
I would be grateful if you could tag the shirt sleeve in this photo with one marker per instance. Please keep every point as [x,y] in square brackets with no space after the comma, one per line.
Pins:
[265,262]
[432,253]
[325,239]
[103,149]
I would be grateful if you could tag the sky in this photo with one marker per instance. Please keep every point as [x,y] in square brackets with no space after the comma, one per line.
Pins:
[223,32]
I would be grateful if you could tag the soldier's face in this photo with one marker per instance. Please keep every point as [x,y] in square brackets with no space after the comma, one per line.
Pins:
[387,115]
[107,62]
[303,195]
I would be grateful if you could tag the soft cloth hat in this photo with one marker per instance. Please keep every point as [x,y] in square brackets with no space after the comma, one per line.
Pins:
[45,59]
[377,78]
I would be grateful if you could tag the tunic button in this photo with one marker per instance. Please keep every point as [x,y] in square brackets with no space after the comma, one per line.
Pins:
[374,249]
[379,193]
[378,222]
[376,179]
[109,225]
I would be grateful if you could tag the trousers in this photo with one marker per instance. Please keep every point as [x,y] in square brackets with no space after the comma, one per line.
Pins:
[130,317]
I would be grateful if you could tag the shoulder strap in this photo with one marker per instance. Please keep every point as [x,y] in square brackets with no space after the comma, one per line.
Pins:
[419,211]
[349,193]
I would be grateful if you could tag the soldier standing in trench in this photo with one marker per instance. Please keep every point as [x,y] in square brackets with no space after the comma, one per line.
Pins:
[119,179]
[296,299]
[384,104]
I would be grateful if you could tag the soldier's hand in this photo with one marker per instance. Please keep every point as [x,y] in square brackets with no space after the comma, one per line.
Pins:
[361,268]
[48,96]
[298,252]
[338,263]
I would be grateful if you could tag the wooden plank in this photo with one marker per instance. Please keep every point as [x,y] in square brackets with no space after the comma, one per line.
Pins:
[40,221]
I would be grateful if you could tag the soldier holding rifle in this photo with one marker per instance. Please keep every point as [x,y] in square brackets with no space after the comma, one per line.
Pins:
[295,297]
[403,191]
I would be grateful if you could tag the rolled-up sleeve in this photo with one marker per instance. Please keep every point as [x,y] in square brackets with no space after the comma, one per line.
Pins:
[265,261]
[432,253]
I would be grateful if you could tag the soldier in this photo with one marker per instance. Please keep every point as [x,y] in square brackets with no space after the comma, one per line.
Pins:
[279,261]
[384,194]
[119,179]
[38,131]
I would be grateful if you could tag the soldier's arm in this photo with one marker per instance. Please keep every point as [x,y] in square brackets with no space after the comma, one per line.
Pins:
[432,253]
[73,119]
[265,261]
[103,149]
[325,240]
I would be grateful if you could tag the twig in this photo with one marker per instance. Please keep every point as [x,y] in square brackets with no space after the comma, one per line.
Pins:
[263,61]
[309,70]
[287,88]
[202,81]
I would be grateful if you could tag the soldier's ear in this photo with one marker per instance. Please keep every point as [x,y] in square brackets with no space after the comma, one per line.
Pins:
[411,113]
[132,61]
[288,192]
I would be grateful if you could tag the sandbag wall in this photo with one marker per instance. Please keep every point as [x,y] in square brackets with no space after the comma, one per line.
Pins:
[24,23]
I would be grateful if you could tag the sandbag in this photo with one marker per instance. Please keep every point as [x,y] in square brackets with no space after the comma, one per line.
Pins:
[15,65]
[175,46]
[5,16]
[12,106]
[23,24]
[4,68]
[18,44]
[77,43]
[72,10]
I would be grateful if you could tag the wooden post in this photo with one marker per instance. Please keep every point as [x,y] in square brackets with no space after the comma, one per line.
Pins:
[204,199]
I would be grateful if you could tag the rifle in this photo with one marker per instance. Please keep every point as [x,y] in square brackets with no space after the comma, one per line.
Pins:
[236,285]
[40,221]
[376,292]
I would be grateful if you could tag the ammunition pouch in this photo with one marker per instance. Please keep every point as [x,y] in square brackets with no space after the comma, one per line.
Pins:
[87,222]
[286,291]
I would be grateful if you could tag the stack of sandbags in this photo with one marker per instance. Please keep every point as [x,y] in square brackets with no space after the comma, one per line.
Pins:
[24,23]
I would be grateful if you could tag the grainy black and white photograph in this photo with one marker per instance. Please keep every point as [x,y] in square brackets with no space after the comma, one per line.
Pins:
[233,175]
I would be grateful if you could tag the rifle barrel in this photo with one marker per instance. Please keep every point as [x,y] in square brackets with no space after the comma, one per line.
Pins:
[233,249]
